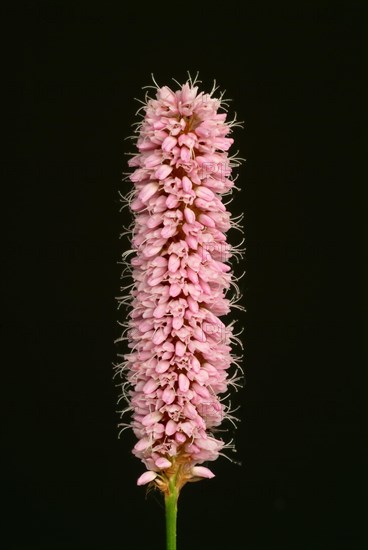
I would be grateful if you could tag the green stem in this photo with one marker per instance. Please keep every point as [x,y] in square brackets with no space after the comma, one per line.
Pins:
[171,508]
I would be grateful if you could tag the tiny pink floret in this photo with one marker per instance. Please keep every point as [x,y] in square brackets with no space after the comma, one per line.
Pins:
[201,471]
[147,477]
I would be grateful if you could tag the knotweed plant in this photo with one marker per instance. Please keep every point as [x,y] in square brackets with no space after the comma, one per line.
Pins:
[180,365]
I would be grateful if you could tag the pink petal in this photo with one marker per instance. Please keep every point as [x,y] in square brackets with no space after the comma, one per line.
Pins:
[171,427]
[201,376]
[163,463]
[137,204]
[189,215]
[185,154]
[152,160]
[142,444]
[163,171]
[147,477]
[159,262]
[166,95]
[199,334]
[174,263]
[168,231]
[191,448]
[154,221]
[180,348]
[196,365]
[168,395]
[160,311]
[151,418]
[175,290]
[205,287]
[192,275]
[205,193]
[206,220]
[202,391]
[148,191]
[187,428]
[193,304]
[145,325]
[186,184]
[158,272]
[150,386]
[177,323]
[190,411]
[187,139]
[158,430]
[207,444]
[192,242]
[162,366]
[201,471]
[158,337]
[172,201]
[151,250]
[168,346]
[168,144]
[183,383]
[180,438]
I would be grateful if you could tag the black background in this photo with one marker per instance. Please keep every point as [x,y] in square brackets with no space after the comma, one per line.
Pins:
[295,75]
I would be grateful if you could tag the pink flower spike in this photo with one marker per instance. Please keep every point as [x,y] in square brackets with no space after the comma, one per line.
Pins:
[147,477]
[179,360]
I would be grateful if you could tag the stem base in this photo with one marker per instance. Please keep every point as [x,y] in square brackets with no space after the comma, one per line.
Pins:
[171,509]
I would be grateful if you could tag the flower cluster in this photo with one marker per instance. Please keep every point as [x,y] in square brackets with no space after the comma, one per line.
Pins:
[180,350]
